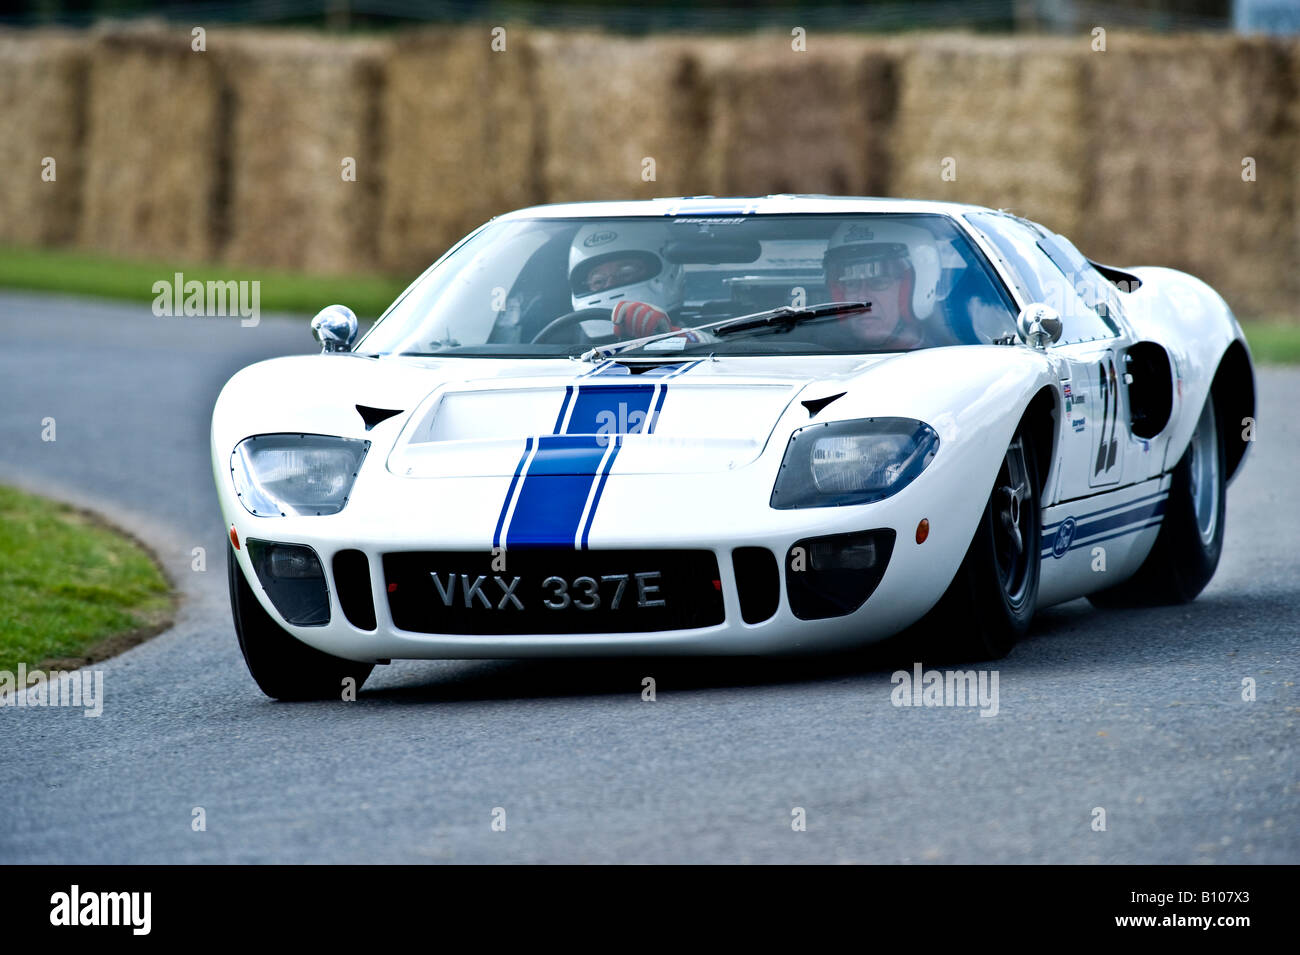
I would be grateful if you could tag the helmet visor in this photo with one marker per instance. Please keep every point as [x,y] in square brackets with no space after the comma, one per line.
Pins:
[613,270]
[875,266]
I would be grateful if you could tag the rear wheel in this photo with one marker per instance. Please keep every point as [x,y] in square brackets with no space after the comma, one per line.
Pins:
[990,603]
[284,667]
[1187,548]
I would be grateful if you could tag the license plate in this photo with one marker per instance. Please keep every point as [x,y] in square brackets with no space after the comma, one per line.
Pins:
[641,589]
[553,590]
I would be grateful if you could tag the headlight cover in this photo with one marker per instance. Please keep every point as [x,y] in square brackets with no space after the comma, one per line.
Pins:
[277,475]
[852,462]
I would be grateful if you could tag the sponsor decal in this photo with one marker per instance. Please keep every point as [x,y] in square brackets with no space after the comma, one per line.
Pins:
[599,238]
[1078,423]
[1064,534]
[707,220]
[858,233]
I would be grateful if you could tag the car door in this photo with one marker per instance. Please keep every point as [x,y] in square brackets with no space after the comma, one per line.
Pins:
[1048,269]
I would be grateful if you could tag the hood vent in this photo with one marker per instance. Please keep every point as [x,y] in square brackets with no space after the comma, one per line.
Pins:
[372,416]
[814,405]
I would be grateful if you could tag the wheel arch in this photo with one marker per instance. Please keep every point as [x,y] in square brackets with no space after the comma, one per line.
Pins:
[1233,391]
[1040,419]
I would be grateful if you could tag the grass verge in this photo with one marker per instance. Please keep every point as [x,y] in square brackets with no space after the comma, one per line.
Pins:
[86,273]
[73,590]
[1272,339]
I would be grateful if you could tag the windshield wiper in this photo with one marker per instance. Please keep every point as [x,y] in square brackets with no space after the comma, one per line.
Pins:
[789,316]
[784,315]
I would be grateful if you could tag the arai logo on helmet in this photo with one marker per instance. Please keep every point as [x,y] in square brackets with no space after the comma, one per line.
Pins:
[858,233]
[599,238]
[1064,534]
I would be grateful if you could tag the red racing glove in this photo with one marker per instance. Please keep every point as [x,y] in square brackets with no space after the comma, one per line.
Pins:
[640,319]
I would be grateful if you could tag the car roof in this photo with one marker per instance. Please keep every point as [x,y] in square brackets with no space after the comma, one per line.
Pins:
[741,205]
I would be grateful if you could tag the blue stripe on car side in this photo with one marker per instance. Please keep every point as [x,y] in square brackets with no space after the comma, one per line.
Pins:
[1085,531]
[1107,510]
[1123,533]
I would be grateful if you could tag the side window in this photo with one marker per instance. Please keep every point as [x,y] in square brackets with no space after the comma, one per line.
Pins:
[1049,269]
[1092,288]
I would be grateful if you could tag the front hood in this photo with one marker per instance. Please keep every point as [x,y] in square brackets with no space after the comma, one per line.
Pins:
[472,417]
[674,418]
[482,417]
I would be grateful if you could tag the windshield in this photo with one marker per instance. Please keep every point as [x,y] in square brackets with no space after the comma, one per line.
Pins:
[560,287]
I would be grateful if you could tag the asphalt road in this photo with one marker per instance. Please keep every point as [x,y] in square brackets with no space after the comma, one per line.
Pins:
[1138,712]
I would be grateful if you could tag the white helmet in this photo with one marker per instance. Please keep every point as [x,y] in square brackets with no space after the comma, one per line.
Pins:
[867,248]
[611,262]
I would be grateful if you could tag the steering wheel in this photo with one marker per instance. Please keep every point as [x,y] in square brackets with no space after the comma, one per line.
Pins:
[550,332]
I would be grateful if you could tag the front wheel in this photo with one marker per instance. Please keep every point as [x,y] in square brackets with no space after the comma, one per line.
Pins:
[284,667]
[1187,548]
[990,603]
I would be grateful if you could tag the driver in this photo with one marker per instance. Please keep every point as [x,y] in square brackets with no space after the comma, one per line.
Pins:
[620,266]
[893,267]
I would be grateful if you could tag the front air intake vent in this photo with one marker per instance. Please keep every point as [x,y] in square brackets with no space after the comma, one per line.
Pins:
[352,581]
[758,582]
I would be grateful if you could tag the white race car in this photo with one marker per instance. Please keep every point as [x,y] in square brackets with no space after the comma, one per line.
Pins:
[728,426]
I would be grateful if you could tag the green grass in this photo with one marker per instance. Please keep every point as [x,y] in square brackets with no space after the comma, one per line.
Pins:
[71,588]
[86,273]
[1273,341]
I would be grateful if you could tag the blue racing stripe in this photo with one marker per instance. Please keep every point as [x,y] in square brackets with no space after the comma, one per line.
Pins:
[600,489]
[1107,510]
[551,490]
[1123,533]
[554,492]
[510,493]
[564,406]
[1086,533]
[610,409]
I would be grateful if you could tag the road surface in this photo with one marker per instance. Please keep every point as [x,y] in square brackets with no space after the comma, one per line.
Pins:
[1139,713]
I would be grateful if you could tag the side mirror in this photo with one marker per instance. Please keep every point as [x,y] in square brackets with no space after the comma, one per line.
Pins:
[335,327]
[1039,325]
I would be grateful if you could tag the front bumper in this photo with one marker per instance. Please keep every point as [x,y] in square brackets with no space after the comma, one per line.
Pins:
[913,575]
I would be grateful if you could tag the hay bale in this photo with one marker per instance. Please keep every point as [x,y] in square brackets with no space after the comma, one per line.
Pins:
[154,146]
[1170,123]
[612,103]
[463,144]
[42,103]
[301,104]
[1009,113]
[816,121]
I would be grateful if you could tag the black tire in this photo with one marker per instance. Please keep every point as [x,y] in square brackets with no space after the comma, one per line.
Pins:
[284,667]
[1184,557]
[990,603]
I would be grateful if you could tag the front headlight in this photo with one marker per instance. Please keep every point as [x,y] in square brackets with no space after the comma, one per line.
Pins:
[852,462]
[282,474]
